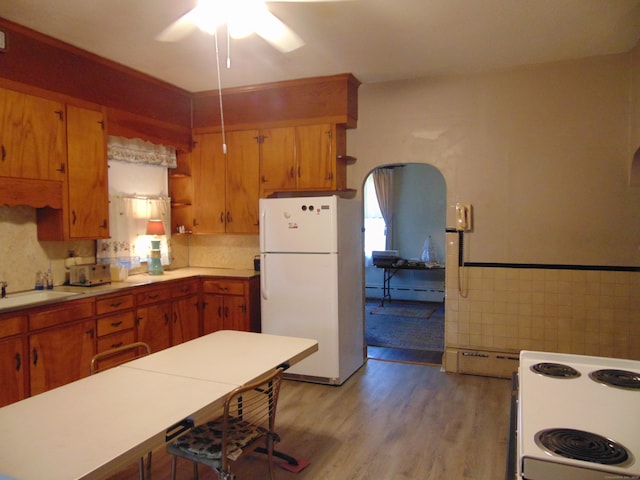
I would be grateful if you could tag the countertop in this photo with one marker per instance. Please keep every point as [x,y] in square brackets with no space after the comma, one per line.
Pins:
[134,281]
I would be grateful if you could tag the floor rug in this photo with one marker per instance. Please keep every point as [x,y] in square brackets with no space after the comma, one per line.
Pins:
[412,332]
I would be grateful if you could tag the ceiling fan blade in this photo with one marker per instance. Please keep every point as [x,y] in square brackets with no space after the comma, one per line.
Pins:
[274,31]
[179,29]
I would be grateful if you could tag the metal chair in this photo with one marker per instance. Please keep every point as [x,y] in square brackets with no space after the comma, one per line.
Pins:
[117,356]
[249,415]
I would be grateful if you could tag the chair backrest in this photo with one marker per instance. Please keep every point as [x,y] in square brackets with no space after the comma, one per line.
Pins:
[117,356]
[252,405]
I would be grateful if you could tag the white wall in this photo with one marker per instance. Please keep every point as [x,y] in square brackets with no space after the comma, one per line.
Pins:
[541,152]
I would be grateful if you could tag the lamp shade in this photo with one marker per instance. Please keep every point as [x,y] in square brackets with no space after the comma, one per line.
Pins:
[155,227]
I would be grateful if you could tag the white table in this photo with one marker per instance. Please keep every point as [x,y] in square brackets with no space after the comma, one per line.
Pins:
[93,427]
[228,356]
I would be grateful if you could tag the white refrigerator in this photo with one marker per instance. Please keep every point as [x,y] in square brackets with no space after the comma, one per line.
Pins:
[311,281]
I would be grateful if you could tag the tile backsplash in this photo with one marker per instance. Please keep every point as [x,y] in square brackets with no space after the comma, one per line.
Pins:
[220,251]
[589,312]
[22,255]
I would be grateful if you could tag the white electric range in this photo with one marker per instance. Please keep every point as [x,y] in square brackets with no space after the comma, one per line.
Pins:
[578,417]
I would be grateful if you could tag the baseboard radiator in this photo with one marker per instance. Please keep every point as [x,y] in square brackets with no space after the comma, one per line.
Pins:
[407,293]
[481,362]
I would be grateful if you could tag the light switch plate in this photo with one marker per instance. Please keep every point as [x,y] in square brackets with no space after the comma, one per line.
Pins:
[3,41]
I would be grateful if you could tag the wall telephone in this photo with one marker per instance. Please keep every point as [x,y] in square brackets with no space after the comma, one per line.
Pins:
[463,216]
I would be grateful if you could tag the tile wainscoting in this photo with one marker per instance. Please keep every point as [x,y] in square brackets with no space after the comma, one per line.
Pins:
[510,308]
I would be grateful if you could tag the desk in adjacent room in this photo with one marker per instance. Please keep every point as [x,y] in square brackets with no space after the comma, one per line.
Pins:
[391,268]
[93,427]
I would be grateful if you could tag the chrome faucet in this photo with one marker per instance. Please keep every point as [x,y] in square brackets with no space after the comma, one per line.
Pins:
[3,285]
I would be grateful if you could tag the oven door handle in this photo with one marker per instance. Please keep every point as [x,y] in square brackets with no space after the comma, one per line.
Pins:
[510,473]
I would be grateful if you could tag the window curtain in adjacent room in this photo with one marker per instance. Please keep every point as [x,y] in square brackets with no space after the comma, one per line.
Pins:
[129,244]
[374,226]
[383,182]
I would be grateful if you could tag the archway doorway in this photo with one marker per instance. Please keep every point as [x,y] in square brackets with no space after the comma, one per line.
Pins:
[405,217]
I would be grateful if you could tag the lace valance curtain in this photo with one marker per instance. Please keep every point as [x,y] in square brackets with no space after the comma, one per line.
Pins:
[135,150]
[129,244]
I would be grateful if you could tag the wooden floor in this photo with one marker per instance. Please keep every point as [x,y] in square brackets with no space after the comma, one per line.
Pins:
[390,421]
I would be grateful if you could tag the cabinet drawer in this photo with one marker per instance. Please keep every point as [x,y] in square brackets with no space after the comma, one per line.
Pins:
[12,325]
[184,288]
[224,286]
[115,323]
[115,340]
[63,314]
[153,296]
[114,304]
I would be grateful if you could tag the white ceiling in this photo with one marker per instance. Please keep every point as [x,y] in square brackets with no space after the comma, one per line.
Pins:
[376,40]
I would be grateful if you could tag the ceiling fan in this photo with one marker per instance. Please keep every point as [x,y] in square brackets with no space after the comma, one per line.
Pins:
[242,18]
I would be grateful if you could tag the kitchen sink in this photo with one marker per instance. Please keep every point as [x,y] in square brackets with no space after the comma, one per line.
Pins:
[25,299]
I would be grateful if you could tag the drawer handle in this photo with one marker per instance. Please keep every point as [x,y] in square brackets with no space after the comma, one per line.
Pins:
[153,297]
[116,345]
[115,304]
[18,362]
[34,354]
[116,324]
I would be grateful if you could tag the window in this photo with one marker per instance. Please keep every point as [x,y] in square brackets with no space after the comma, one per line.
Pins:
[375,235]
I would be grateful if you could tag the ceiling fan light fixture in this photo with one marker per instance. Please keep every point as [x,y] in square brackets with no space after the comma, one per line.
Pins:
[208,15]
[245,17]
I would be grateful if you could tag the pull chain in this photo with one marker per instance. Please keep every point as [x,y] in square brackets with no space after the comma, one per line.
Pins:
[224,137]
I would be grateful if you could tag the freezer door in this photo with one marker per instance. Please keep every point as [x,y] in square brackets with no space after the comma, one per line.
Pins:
[300,299]
[305,224]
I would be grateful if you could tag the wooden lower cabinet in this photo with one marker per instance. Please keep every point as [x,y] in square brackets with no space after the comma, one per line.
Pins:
[230,304]
[60,355]
[13,360]
[185,317]
[153,324]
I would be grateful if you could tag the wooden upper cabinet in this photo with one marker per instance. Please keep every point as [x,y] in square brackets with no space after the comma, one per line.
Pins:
[314,152]
[304,157]
[208,173]
[217,193]
[242,185]
[87,180]
[32,137]
[278,169]
[85,212]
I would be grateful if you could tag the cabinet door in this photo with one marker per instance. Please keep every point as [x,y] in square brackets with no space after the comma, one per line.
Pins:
[242,185]
[186,325]
[32,137]
[60,355]
[12,376]
[277,160]
[153,324]
[315,154]
[208,173]
[235,313]
[212,313]
[87,175]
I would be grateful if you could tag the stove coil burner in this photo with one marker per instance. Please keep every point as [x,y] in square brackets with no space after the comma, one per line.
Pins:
[556,370]
[581,445]
[617,378]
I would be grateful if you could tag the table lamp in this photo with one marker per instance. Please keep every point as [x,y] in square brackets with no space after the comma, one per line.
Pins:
[155,227]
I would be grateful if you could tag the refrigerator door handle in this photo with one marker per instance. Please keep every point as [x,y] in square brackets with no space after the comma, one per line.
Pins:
[263,228]
[263,277]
